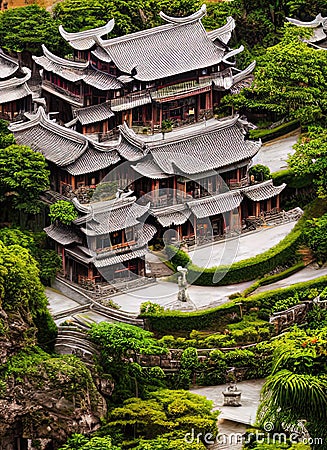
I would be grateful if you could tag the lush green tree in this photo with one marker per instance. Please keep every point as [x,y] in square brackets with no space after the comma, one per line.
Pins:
[23,177]
[75,15]
[63,211]
[28,28]
[310,158]
[164,411]
[48,260]
[119,344]
[21,290]
[297,388]
[6,138]
[290,81]
[260,172]
[169,443]
[316,237]
[80,442]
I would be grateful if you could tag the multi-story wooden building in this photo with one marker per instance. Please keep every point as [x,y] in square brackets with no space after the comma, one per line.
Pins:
[116,94]
[15,95]
[176,72]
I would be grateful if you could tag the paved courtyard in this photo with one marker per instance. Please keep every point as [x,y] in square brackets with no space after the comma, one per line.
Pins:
[275,154]
[246,246]
[245,414]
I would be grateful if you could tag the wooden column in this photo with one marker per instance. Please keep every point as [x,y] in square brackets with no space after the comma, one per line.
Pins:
[269,204]
[63,260]
[238,175]
[175,190]
[257,209]
[278,202]
[73,182]
[194,226]
[90,272]
[160,114]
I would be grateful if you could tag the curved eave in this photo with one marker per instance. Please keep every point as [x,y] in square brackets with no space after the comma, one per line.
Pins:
[316,22]
[181,20]
[84,40]
[231,55]
[244,73]
[62,61]
[14,82]
[223,33]
[263,191]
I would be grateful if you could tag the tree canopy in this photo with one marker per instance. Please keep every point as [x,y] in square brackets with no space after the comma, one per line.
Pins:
[63,211]
[297,388]
[290,81]
[23,177]
[310,158]
[29,27]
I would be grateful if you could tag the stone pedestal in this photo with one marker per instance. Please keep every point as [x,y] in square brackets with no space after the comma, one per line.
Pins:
[232,396]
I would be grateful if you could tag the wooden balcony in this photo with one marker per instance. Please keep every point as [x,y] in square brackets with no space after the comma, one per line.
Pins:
[75,100]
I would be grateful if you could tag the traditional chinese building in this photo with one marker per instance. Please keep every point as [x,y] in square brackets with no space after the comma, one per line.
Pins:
[15,95]
[319,28]
[192,180]
[176,72]
[107,241]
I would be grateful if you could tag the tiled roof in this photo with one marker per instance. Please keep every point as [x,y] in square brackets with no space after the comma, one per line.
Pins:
[93,114]
[316,22]
[101,80]
[15,88]
[66,148]
[145,234]
[224,33]
[179,46]
[117,258]
[130,101]
[76,71]
[319,26]
[80,253]
[148,168]
[58,144]
[101,54]
[263,191]
[84,40]
[174,215]
[212,147]
[8,65]
[62,234]
[92,161]
[216,204]
[105,217]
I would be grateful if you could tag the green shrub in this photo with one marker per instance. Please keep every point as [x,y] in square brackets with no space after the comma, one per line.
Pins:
[218,318]
[273,133]
[260,172]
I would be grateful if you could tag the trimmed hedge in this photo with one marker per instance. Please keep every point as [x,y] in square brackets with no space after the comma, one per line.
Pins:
[273,133]
[217,318]
[291,179]
[251,268]
[273,278]
[282,254]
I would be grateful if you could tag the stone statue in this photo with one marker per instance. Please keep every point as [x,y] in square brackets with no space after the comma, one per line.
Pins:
[182,284]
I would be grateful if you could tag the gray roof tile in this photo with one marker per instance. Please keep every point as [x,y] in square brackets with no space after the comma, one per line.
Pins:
[213,147]
[84,40]
[262,191]
[216,204]
[15,88]
[62,234]
[93,114]
[8,65]
[66,148]
[179,46]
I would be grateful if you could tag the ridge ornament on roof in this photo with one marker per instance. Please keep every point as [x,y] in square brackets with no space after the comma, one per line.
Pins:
[84,40]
